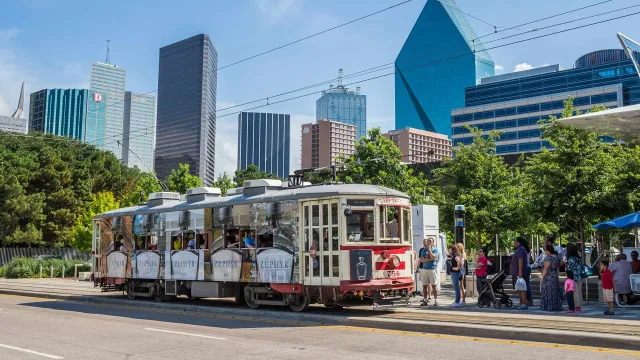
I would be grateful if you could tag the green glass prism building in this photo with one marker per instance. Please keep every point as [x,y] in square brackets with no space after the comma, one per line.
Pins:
[441,57]
[75,113]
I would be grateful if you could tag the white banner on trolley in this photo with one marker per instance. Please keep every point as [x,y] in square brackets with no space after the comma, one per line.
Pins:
[117,265]
[274,266]
[145,265]
[226,265]
[187,265]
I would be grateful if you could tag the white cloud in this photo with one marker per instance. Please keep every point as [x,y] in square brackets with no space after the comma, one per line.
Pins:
[523,67]
[498,68]
[274,11]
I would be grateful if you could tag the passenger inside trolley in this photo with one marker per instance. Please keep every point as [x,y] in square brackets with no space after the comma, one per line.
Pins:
[250,241]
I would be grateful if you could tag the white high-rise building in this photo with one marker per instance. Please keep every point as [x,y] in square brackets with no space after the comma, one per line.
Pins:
[139,130]
[110,80]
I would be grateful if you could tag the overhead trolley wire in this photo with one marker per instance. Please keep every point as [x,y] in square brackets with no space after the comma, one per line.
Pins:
[287,44]
[440,61]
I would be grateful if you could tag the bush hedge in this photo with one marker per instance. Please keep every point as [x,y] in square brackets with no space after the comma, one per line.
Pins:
[30,268]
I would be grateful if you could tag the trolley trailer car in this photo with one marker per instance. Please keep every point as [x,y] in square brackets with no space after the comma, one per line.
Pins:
[264,244]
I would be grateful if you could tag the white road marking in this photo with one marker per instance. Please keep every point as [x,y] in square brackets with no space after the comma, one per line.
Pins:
[184,333]
[31,352]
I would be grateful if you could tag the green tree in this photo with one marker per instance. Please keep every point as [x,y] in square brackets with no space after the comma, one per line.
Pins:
[224,183]
[180,179]
[378,161]
[574,183]
[490,190]
[83,230]
[252,172]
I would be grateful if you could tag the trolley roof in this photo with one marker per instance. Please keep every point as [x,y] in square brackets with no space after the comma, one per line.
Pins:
[274,195]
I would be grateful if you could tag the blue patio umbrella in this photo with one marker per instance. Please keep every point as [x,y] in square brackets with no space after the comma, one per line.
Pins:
[627,222]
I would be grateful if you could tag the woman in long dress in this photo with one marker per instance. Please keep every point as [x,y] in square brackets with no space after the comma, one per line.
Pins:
[551,300]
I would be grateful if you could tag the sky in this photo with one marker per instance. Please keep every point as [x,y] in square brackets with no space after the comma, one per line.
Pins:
[51,44]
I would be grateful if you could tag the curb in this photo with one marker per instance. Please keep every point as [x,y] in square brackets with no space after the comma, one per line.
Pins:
[581,338]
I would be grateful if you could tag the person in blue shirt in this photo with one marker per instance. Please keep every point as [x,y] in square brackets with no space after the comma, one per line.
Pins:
[250,241]
[429,272]
[192,243]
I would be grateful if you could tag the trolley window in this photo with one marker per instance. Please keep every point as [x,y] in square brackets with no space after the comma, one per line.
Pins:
[390,222]
[360,226]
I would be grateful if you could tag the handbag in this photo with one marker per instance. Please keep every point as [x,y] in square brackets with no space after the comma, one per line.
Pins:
[521,285]
[586,271]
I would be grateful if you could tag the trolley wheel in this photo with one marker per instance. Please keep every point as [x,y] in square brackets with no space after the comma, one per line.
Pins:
[480,304]
[131,290]
[299,303]
[249,300]
[509,303]
[157,293]
[497,304]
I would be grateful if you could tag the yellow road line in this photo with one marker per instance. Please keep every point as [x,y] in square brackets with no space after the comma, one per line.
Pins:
[360,329]
[489,340]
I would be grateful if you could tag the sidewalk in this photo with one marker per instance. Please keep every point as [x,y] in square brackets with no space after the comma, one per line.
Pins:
[590,328]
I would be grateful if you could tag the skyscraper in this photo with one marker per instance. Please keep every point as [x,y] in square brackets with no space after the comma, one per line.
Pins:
[426,95]
[15,122]
[186,118]
[343,105]
[515,103]
[263,140]
[109,80]
[75,113]
[139,130]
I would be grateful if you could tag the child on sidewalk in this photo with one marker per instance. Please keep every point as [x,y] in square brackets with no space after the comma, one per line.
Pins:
[568,292]
[607,285]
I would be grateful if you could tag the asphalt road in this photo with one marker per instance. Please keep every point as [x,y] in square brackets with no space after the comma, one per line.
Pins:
[33,328]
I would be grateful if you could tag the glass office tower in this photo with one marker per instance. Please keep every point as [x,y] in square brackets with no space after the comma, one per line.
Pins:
[340,104]
[515,104]
[109,79]
[186,114]
[74,113]
[139,130]
[439,62]
[264,141]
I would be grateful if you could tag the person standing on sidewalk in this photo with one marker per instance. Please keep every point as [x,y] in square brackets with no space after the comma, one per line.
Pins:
[457,263]
[574,265]
[569,291]
[481,269]
[463,272]
[520,269]
[607,285]
[551,300]
[429,272]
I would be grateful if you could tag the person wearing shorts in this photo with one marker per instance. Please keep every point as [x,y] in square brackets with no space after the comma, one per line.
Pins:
[429,272]
[607,285]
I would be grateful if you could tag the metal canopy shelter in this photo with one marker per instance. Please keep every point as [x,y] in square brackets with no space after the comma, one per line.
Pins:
[621,123]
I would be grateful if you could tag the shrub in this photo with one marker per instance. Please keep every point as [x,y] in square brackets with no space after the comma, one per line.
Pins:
[30,268]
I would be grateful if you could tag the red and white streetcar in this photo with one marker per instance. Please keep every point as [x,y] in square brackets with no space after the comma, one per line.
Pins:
[266,243]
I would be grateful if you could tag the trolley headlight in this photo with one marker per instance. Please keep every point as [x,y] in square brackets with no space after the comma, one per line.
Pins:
[385,254]
[394,262]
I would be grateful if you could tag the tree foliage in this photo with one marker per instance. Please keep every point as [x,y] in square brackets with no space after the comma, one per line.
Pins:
[576,183]
[224,182]
[100,202]
[48,185]
[252,172]
[490,190]
[180,179]
[378,161]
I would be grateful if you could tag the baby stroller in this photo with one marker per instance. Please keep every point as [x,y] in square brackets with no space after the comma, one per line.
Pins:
[492,292]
